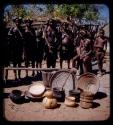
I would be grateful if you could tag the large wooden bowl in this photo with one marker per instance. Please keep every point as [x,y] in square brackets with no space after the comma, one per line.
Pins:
[37,89]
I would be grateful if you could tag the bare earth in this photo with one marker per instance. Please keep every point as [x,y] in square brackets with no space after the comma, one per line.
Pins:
[34,111]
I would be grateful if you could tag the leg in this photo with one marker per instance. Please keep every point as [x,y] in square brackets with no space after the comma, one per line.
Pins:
[27,65]
[100,57]
[54,64]
[37,65]
[87,64]
[81,67]
[74,61]
[40,64]
[48,63]
[61,61]
[19,71]
[6,75]
[15,72]
[68,62]
[33,66]
[101,61]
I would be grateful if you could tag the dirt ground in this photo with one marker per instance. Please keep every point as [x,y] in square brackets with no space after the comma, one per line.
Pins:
[34,111]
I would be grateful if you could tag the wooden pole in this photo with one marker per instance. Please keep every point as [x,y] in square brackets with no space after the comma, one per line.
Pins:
[31,69]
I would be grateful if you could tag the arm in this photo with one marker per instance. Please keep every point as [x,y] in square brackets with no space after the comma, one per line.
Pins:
[95,42]
[105,47]
[87,54]
[10,32]
[46,40]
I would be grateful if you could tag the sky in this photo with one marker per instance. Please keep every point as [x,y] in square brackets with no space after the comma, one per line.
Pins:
[105,11]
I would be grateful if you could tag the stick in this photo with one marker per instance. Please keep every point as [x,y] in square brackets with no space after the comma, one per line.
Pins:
[37,69]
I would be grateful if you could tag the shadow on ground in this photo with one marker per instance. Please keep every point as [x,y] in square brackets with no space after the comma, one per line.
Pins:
[95,105]
[23,81]
[100,95]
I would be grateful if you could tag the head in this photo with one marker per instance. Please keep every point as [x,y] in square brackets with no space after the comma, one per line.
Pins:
[101,33]
[17,21]
[50,22]
[87,41]
[82,33]
[28,22]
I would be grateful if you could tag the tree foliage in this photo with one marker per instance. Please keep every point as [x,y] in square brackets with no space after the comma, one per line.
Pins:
[77,10]
[18,11]
[88,11]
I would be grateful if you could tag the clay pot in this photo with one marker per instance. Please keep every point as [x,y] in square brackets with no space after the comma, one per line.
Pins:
[70,101]
[17,96]
[48,93]
[59,94]
[49,103]
[76,94]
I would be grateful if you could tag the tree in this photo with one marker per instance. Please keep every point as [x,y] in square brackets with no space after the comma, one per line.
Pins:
[18,11]
[87,11]
[50,9]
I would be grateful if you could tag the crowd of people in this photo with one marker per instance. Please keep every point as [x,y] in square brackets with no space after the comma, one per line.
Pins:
[53,40]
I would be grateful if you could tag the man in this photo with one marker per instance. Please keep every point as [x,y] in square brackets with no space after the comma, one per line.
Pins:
[100,46]
[40,48]
[6,47]
[67,47]
[16,44]
[83,56]
[77,62]
[50,45]
[29,45]
[86,56]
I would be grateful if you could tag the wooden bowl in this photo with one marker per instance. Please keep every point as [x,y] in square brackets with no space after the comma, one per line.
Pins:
[33,98]
[36,89]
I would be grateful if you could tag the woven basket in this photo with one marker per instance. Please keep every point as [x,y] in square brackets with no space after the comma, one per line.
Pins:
[86,100]
[88,82]
[86,105]
[61,77]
